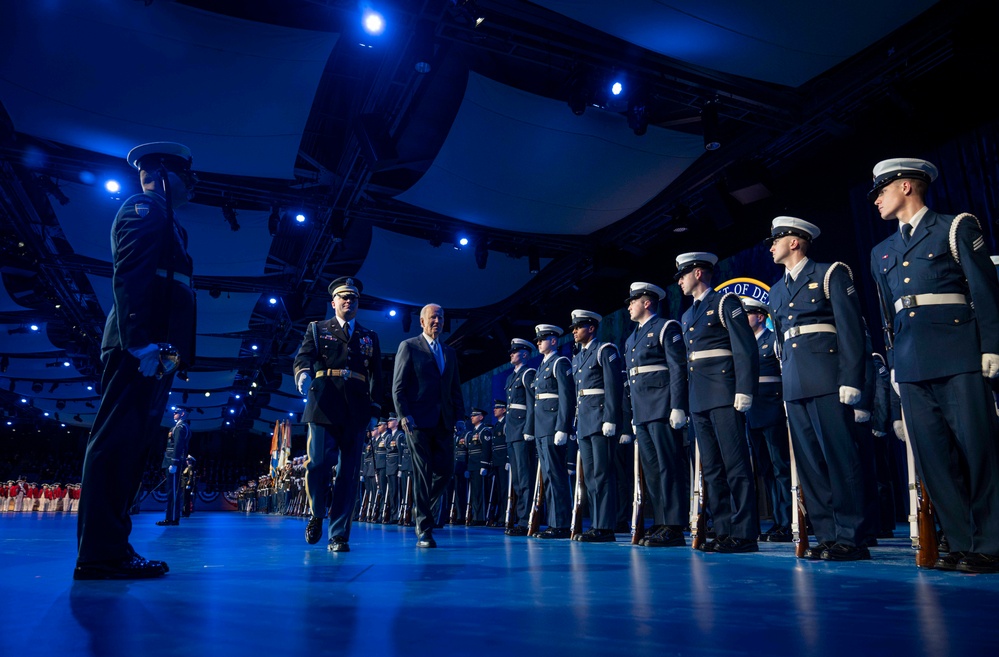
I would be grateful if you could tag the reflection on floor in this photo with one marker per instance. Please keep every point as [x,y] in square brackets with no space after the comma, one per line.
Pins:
[249,585]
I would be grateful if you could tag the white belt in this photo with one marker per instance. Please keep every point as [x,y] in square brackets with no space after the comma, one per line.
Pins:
[770,379]
[643,369]
[547,395]
[591,391]
[180,278]
[709,353]
[809,328]
[913,300]
[517,407]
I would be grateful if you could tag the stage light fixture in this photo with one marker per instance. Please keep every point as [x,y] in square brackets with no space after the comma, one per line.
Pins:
[4,364]
[709,126]
[273,221]
[638,119]
[533,261]
[113,186]
[300,218]
[229,214]
[481,253]
[61,404]
[36,386]
[214,293]
[373,22]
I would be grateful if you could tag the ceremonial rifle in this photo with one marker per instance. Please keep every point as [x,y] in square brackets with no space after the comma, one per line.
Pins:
[534,519]
[638,503]
[511,502]
[698,519]
[575,527]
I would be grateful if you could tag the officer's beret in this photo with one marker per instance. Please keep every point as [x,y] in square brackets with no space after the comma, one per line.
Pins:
[754,306]
[645,289]
[887,171]
[345,285]
[687,261]
[518,344]
[547,331]
[170,154]
[783,226]
[584,317]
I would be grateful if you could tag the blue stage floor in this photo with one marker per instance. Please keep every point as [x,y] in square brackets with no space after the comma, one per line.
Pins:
[250,586]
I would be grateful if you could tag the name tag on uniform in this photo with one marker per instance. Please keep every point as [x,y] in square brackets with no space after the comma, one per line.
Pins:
[813,286]
[650,335]
[710,312]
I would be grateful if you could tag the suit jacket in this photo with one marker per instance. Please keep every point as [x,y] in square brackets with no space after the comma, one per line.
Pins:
[519,391]
[146,308]
[768,404]
[335,399]
[943,340]
[420,390]
[553,414]
[714,382]
[654,394]
[598,366]
[816,364]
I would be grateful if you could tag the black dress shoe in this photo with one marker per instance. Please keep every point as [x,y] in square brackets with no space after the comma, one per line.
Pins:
[426,541]
[555,532]
[943,545]
[734,545]
[132,567]
[338,544]
[949,561]
[314,530]
[780,535]
[651,533]
[668,537]
[597,536]
[167,523]
[816,552]
[154,562]
[844,552]
[516,530]
[977,562]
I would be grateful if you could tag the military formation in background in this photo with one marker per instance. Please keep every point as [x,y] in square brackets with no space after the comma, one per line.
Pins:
[744,409]
[22,496]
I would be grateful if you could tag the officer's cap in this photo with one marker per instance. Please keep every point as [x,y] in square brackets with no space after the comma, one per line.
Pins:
[392,416]
[181,410]
[783,226]
[174,156]
[547,331]
[645,289]
[477,411]
[754,306]
[499,403]
[191,459]
[345,285]
[382,420]
[687,261]
[887,171]
[518,344]
[583,318]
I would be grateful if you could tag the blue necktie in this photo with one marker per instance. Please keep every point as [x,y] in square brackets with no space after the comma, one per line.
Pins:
[906,232]
[436,348]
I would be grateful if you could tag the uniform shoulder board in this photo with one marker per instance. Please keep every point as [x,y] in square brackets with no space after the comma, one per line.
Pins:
[523,377]
[979,243]
[558,358]
[608,345]
[828,276]
[662,333]
[721,304]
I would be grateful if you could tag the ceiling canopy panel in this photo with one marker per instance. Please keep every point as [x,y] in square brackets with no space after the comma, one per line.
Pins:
[20,339]
[782,41]
[518,161]
[7,304]
[105,76]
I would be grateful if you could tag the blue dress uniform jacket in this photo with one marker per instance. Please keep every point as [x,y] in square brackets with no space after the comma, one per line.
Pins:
[816,364]
[519,403]
[926,266]
[598,367]
[768,404]
[392,440]
[332,399]
[714,382]
[552,414]
[381,451]
[657,343]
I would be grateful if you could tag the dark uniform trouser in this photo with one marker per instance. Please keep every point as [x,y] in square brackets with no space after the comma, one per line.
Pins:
[778,454]
[728,475]
[476,497]
[886,485]
[555,475]
[596,454]
[666,470]
[391,495]
[828,467]
[498,487]
[122,436]
[521,472]
[433,465]
[174,496]
[869,471]
[342,448]
[624,481]
[952,425]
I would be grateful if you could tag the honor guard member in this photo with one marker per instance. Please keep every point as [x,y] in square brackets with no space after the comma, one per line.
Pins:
[406,475]
[523,453]
[554,411]
[768,425]
[501,466]
[596,373]
[173,462]
[381,452]
[938,291]
[820,330]
[339,367]
[656,363]
[370,484]
[480,465]
[723,376]
[392,434]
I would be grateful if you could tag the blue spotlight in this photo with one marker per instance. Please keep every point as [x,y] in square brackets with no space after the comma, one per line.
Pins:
[300,218]
[66,363]
[23,400]
[617,88]
[373,22]
[112,186]
[392,313]
[272,301]
[253,347]
[33,327]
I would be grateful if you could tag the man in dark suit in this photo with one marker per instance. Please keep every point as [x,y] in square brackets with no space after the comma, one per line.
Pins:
[599,381]
[939,291]
[426,390]
[523,454]
[173,461]
[148,336]
[723,377]
[820,330]
[339,367]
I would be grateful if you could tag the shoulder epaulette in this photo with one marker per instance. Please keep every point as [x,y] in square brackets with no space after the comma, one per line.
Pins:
[721,304]
[828,276]
[980,242]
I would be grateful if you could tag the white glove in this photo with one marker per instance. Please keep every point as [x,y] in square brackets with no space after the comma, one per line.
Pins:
[634,429]
[172,469]
[743,402]
[303,382]
[483,472]
[398,474]
[561,438]
[149,358]
[899,428]
[894,386]
[860,415]
[848,395]
[408,425]
[608,429]
[990,365]
[529,438]
[625,439]
[506,466]
[677,418]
